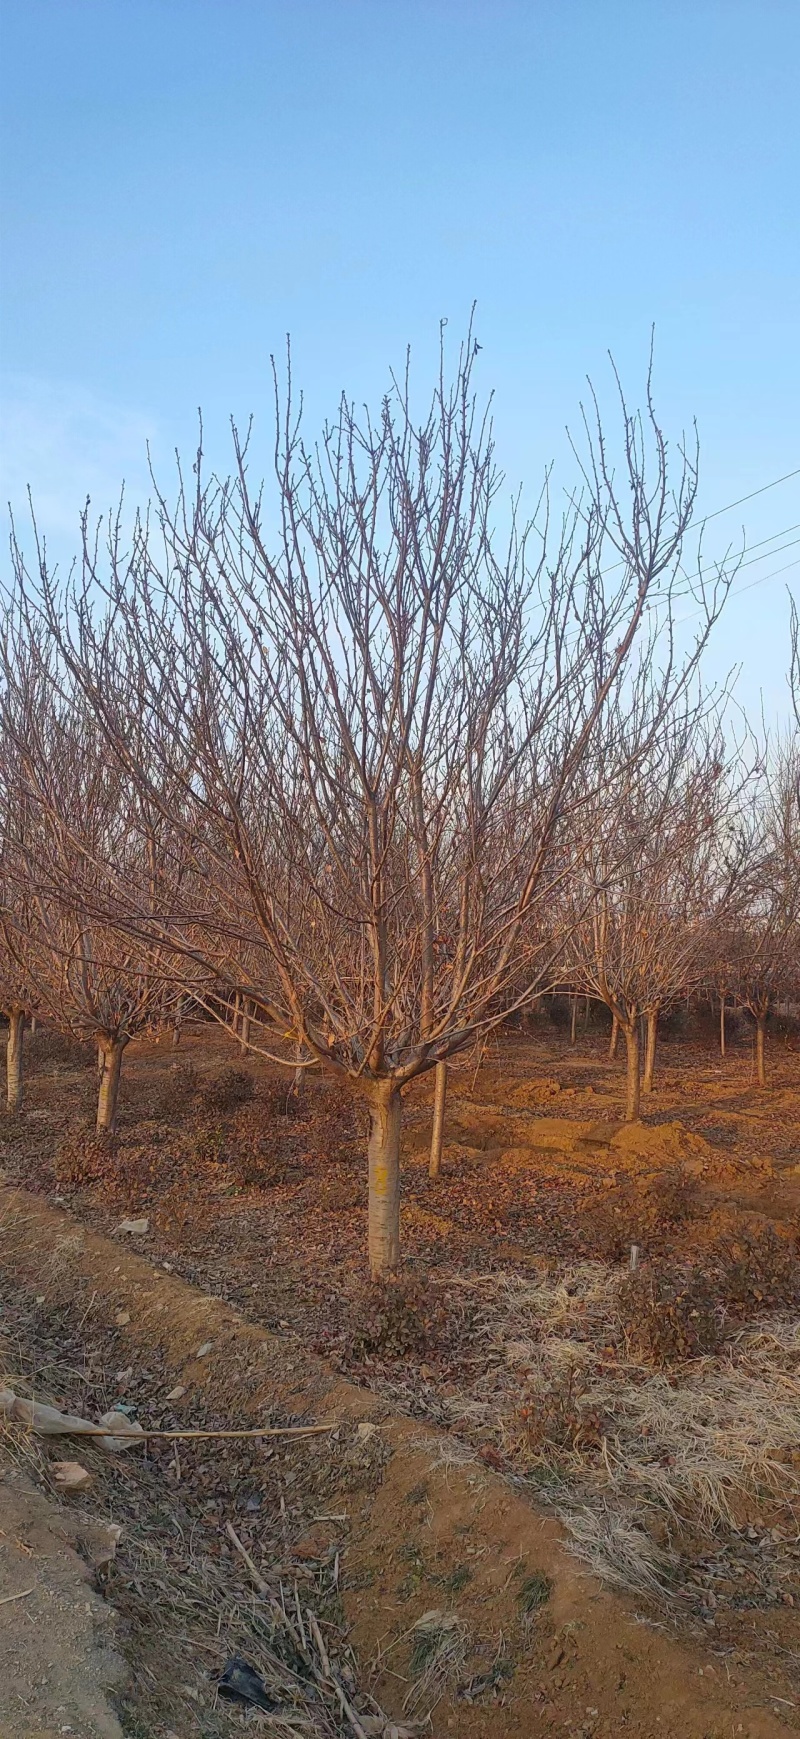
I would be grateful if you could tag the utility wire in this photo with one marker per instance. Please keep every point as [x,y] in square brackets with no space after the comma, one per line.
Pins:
[762,578]
[742,498]
[752,561]
[762,490]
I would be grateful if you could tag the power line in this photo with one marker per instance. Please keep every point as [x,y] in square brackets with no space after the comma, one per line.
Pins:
[752,560]
[766,553]
[784,532]
[742,498]
[718,567]
[762,490]
[762,578]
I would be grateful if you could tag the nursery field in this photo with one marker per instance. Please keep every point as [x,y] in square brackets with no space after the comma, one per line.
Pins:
[654,1410]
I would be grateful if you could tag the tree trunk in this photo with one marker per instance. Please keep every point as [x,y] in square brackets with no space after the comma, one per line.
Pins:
[176,1034]
[761,1033]
[437,1132]
[34,1025]
[16,1029]
[573,1026]
[244,1041]
[384,1179]
[633,1076]
[612,1049]
[299,1076]
[111,1050]
[650,1049]
[722,1025]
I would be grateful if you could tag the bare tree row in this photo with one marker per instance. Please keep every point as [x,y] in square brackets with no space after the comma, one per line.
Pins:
[373,761]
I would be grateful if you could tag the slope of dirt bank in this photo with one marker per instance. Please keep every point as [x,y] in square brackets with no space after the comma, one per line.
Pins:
[58,1655]
[409,1523]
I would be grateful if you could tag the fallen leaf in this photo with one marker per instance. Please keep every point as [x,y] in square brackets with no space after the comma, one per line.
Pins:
[136,1227]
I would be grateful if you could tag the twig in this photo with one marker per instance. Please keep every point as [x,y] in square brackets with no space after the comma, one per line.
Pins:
[299,1611]
[349,1711]
[23,1595]
[175,1436]
[88,1308]
[317,1635]
[262,1586]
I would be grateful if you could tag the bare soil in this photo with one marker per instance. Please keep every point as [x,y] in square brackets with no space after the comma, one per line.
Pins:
[59,1662]
[671,1461]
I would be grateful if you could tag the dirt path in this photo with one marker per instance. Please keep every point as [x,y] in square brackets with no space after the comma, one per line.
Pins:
[414,1525]
[58,1655]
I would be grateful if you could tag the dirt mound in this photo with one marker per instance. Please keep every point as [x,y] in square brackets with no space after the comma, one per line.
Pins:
[662,1144]
[530,1093]
[613,1146]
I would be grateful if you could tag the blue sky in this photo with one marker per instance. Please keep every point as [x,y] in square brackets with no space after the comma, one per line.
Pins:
[184,181]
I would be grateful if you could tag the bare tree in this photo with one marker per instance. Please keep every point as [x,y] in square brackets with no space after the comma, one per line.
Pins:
[655,870]
[17,996]
[373,699]
[756,957]
[83,838]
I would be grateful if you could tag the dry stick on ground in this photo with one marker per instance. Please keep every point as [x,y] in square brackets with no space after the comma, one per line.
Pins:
[371,732]
[262,1586]
[47,1421]
[179,1436]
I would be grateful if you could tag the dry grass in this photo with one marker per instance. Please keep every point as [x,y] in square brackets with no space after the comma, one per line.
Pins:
[440,1642]
[644,1468]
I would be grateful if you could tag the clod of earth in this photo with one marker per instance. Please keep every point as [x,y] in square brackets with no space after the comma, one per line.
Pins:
[71,1476]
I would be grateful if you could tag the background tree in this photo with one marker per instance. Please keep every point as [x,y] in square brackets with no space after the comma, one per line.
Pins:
[18,1000]
[82,842]
[757,954]
[659,865]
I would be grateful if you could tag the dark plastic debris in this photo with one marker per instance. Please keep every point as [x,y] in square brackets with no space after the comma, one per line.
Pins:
[240,1683]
